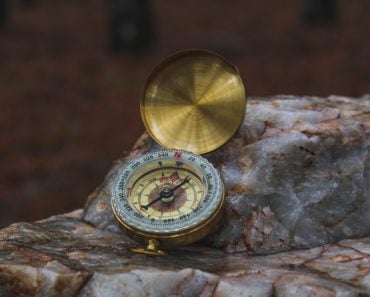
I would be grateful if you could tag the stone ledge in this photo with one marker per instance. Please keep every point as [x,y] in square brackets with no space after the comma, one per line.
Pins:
[65,256]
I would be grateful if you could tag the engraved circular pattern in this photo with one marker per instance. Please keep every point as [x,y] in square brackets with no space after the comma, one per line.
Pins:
[194,101]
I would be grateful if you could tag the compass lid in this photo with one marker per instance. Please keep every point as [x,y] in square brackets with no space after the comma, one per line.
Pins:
[194,101]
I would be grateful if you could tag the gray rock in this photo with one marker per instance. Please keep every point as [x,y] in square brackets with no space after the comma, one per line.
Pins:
[297,175]
[65,256]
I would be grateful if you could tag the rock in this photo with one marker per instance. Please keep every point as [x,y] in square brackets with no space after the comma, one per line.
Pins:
[297,175]
[66,256]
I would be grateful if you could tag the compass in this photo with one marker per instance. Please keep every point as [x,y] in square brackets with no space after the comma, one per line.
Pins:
[193,103]
[171,197]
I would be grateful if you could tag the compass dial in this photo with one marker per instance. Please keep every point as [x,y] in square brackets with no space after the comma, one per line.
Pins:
[166,192]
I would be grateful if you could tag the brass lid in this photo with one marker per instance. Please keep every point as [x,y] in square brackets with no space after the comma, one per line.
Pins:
[194,101]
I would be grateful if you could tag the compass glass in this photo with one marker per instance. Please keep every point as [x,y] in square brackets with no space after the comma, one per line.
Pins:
[166,192]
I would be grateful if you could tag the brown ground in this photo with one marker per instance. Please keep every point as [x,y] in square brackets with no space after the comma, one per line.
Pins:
[69,106]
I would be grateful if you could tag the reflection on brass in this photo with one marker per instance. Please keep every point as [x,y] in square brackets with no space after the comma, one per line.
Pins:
[150,250]
[194,101]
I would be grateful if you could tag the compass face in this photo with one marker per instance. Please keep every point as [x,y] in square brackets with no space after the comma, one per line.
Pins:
[166,192]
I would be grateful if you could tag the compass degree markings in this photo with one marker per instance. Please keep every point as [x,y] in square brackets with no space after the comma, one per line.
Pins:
[199,170]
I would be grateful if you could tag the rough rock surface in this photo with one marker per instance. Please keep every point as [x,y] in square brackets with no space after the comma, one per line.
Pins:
[65,256]
[297,175]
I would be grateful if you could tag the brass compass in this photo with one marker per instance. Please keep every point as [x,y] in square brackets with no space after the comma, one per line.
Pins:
[193,103]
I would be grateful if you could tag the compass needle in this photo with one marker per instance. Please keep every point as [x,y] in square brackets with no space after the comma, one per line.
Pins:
[178,202]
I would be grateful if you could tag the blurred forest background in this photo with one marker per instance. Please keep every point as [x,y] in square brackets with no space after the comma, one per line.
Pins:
[71,74]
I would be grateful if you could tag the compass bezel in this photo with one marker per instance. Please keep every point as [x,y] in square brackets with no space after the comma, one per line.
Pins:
[174,236]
